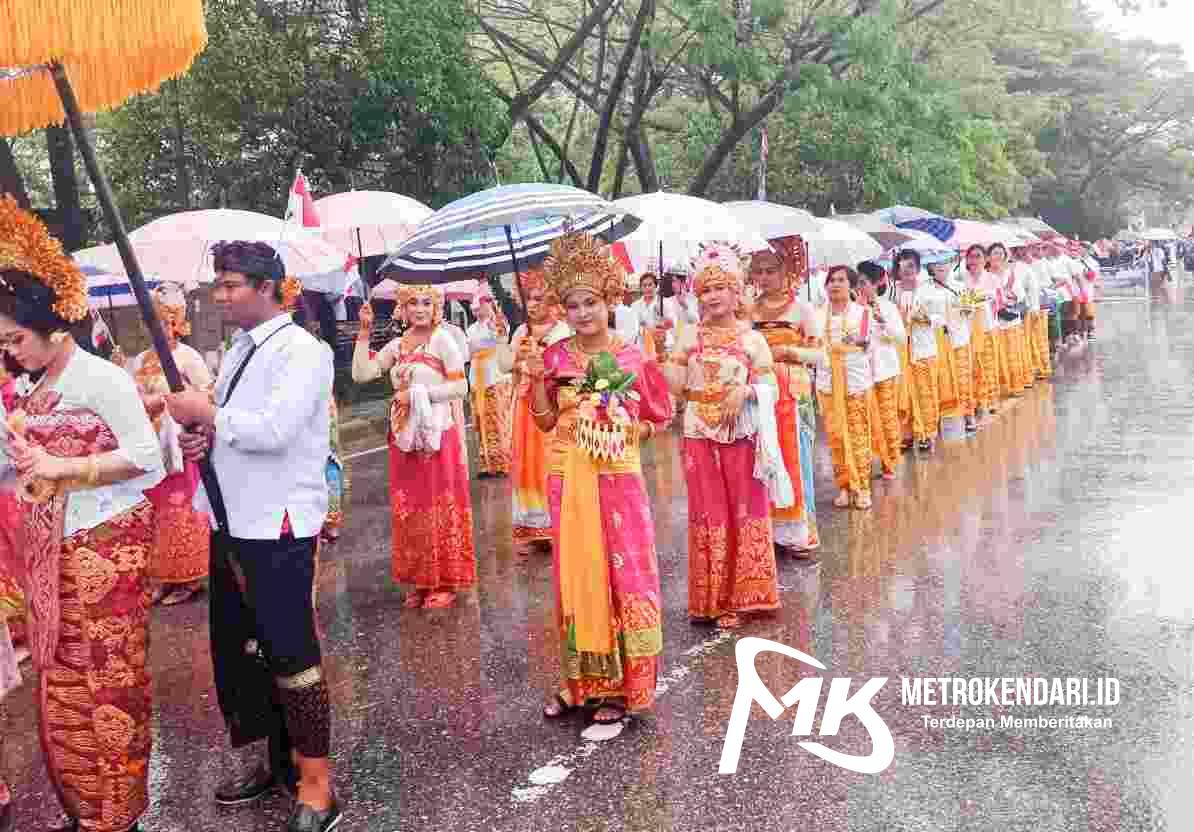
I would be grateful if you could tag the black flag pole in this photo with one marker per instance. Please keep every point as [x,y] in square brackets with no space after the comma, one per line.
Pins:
[103,191]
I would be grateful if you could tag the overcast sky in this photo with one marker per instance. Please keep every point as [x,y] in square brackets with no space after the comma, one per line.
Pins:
[1171,25]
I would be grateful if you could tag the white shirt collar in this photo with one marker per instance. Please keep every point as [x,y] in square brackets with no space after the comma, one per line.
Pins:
[267,328]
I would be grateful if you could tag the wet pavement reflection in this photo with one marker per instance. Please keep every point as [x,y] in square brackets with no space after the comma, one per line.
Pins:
[1053,544]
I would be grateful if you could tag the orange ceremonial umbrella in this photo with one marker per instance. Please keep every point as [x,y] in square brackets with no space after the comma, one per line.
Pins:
[62,58]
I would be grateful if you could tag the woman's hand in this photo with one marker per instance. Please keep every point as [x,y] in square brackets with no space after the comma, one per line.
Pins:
[535,367]
[34,462]
[734,401]
[155,403]
[366,320]
[402,398]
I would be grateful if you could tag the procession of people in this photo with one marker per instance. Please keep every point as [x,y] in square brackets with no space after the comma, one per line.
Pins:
[105,511]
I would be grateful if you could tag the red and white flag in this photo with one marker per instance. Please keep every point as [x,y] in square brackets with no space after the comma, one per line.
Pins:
[300,209]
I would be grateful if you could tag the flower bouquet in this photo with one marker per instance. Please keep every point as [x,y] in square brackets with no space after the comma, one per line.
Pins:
[971,300]
[602,416]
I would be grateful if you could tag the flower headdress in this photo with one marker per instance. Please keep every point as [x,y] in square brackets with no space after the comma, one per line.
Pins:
[26,245]
[408,294]
[292,289]
[532,280]
[718,265]
[580,261]
[171,305]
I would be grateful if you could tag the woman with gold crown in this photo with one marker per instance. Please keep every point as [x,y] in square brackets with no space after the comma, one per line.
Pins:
[599,398]
[432,512]
[490,386]
[181,535]
[528,454]
[733,466]
[788,325]
[84,452]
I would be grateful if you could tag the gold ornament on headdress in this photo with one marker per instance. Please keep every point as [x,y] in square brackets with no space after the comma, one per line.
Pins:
[580,261]
[292,287]
[793,256]
[26,245]
[717,266]
[408,294]
[171,306]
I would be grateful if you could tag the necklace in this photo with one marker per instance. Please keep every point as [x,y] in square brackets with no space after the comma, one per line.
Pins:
[609,342]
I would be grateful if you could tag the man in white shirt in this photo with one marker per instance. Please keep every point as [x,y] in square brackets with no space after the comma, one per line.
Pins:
[267,434]
[626,323]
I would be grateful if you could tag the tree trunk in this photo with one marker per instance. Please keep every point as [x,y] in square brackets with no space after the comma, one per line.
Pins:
[182,171]
[68,207]
[646,11]
[11,181]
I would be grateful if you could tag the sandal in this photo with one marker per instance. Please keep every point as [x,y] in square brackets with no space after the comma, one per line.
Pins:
[729,621]
[439,600]
[842,500]
[557,707]
[614,713]
[862,501]
[181,595]
[413,601]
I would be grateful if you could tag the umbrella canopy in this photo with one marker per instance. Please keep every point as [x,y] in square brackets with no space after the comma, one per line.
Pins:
[109,291]
[900,214]
[178,246]
[969,233]
[112,50]
[908,238]
[500,230]
[939,227]
[369,223]
[1159,234]
[771,220]
[675,226]
[458,290]
[838,243]
[1036,225]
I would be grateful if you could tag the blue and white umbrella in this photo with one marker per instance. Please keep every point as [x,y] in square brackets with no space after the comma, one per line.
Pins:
[500,230]
[109,291]
[938,227]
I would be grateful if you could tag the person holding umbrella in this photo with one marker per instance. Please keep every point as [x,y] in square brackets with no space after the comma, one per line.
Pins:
[490,388]
[83,448]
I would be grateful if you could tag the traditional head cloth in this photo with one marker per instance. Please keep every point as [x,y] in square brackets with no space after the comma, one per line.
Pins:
[718,265]
[171,306]
[579,261]
[793,256]
[408,294]
[26,246]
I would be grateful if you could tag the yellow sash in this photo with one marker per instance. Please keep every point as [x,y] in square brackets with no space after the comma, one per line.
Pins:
[479,358]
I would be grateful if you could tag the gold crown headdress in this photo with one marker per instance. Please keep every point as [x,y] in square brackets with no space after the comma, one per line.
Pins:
[408,293]
[718,265]
[580,261]
[292,289]
[26,245]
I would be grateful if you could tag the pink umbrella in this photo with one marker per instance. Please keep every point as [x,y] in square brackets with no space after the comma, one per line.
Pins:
[969,233]
[369,223]
[459,290]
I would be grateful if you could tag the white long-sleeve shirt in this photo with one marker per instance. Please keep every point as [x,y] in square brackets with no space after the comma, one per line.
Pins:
[831,329]
[272,437]
[626,323]
[887,337]
[925,297]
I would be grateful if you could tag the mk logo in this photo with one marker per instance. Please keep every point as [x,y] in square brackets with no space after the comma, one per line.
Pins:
[806,694]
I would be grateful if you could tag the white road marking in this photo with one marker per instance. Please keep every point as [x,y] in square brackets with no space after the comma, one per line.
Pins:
[559,768]
[359,454]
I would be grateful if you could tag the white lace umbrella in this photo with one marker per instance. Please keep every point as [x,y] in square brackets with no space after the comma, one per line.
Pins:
[369,223]
[674,227]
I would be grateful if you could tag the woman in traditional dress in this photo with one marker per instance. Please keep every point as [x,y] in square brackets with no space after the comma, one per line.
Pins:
[181,535]
[788,326]
[608,603]
[432,513]
[920,401]
[1009,293]
[491,393]
[984,366]
[889,336]
[846,331]
[85,451]
[528,464]
[733,470]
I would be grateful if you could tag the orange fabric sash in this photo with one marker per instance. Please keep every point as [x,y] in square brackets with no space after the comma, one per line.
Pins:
[909,402]
[947,374]
[584,571]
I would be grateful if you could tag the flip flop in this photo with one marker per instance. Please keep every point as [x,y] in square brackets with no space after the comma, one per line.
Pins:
[180,596]
[562,704]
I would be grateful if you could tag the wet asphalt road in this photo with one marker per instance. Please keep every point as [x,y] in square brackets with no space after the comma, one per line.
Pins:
[1054,544]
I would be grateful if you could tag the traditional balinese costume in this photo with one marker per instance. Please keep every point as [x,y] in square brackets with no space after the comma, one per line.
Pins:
[794,527]
[920,401]
[844,382]
[528,458]
[431,509]
[960,336]
[181,535]
[984,366]
[889,337]
[608,604]
[1009,295]
[734,472]
[86,551]
[490,388]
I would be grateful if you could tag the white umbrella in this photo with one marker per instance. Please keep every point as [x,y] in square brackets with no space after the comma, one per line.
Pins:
[178,246]
[368,223]
[674,227]
[837,243]
[1158,234]
[772,220]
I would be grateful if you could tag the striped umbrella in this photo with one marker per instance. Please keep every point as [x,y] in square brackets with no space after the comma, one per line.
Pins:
[939,227]
[501,230]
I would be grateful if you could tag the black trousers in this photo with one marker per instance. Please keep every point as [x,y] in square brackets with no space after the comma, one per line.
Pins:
[261,634]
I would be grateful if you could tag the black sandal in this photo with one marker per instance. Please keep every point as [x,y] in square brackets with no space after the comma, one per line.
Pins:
[564,708]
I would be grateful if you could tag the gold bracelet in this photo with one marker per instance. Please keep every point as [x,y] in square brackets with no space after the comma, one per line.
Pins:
[93,470]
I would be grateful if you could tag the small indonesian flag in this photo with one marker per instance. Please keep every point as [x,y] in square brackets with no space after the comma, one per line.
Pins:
[301,207]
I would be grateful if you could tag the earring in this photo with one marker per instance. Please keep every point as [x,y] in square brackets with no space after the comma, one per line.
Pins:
[57,338]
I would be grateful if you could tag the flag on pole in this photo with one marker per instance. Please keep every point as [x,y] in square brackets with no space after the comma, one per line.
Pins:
[101,336]
[300,209]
